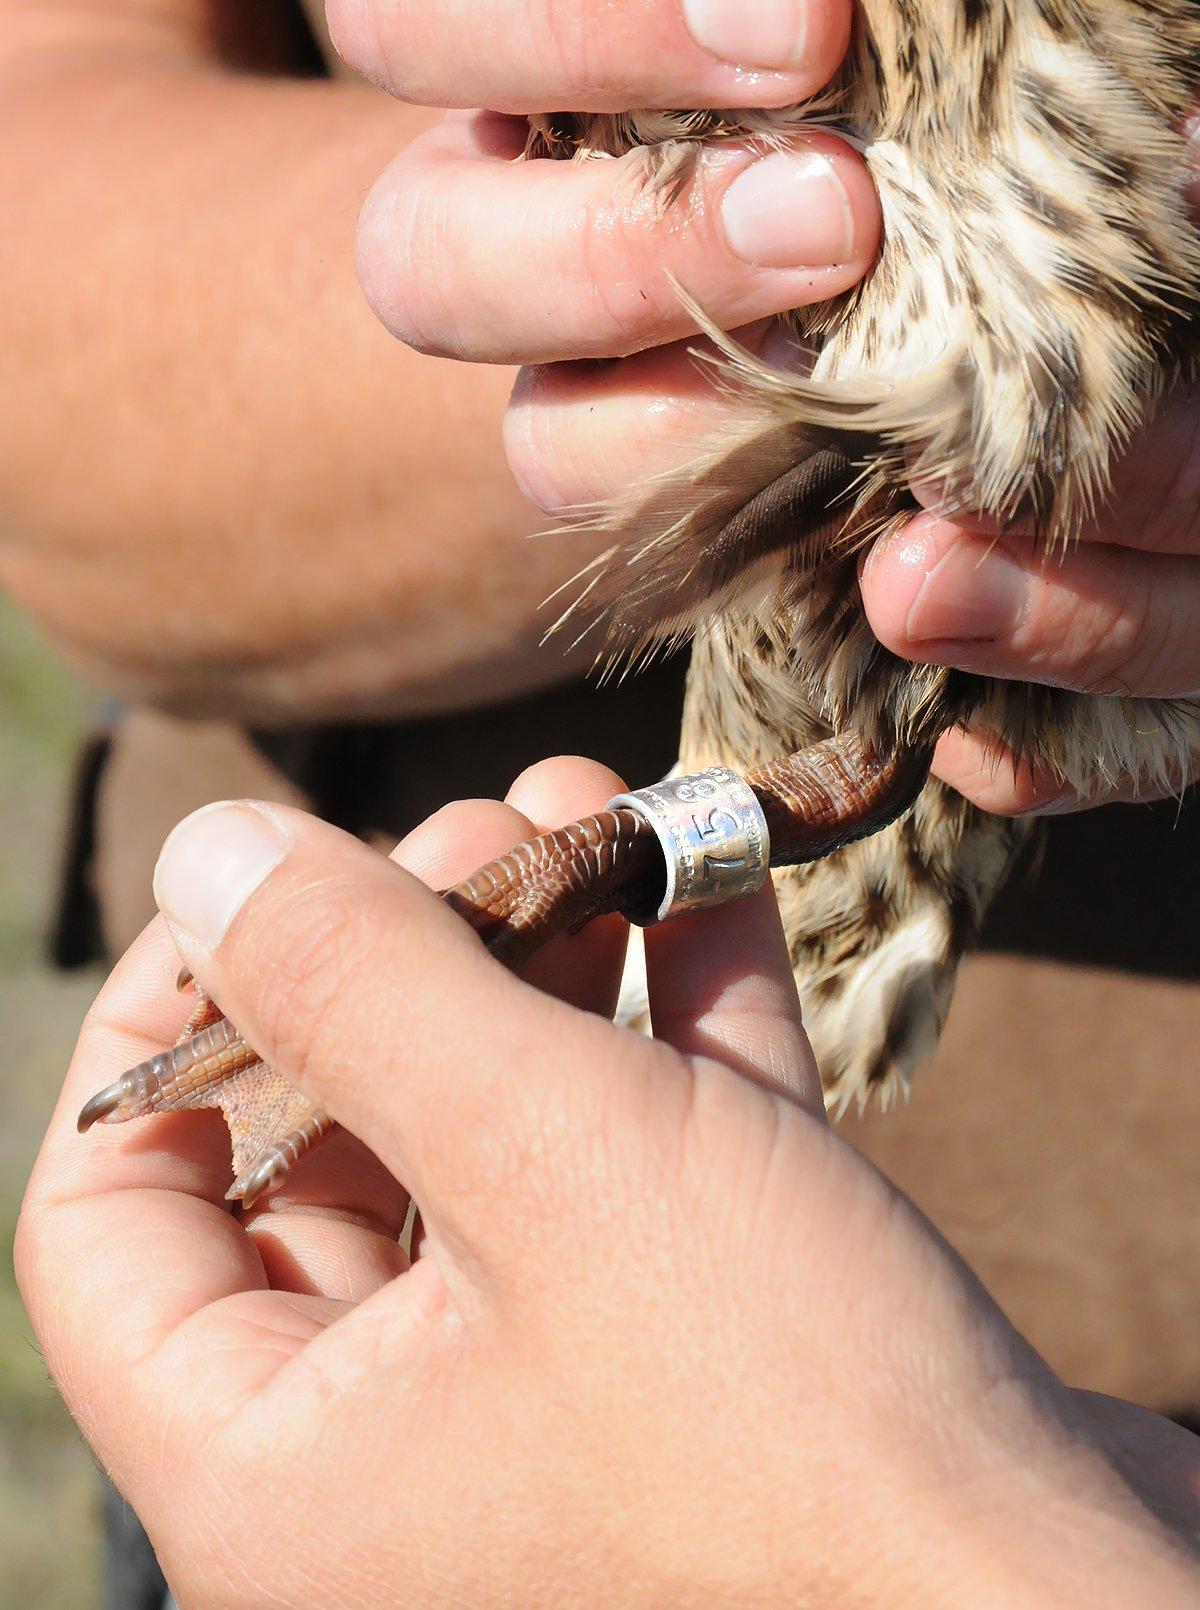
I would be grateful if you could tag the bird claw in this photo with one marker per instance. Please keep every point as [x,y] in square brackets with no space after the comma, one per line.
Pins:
[256,1182]
[268,1171]
[135,1093]
[103,1108]
[270,1123]
[184,1076]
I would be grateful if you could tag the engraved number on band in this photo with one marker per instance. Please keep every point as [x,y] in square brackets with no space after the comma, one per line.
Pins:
[714,839]
[721,825]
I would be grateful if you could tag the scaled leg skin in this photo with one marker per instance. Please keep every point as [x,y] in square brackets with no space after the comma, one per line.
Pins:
[270,1123]
[815,802]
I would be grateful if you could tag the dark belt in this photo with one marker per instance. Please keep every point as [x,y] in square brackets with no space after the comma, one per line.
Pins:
[1117,888]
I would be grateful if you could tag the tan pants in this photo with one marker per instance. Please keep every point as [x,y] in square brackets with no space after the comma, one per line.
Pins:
[1054,1142]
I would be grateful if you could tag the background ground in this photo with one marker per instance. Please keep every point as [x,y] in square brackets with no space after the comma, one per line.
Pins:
[48,1519]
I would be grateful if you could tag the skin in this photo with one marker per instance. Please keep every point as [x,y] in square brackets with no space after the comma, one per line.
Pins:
[667,1339]
[478,1427]
[1121,614]
[244,499]
[219,479]
[125,128]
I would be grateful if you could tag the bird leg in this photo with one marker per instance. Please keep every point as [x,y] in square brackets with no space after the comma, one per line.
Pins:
[814,802]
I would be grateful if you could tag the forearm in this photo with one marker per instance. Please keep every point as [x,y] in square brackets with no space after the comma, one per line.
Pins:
[219,479]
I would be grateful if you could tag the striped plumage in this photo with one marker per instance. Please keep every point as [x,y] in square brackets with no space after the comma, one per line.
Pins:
[1033,297]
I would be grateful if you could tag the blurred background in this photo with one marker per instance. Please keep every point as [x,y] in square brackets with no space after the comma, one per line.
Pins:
[48,1493]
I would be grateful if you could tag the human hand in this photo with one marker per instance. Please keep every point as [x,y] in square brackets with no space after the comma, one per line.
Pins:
[466,254]
[548,261]
[668,1340]
[1119,614]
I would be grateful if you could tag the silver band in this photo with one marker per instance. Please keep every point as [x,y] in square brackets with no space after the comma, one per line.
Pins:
[714,836]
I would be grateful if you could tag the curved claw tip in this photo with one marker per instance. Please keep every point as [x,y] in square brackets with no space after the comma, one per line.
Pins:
[102,1105]
[256,1182]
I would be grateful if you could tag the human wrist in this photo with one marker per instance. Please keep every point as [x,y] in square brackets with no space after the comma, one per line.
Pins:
[967,1493]
[1039,1515]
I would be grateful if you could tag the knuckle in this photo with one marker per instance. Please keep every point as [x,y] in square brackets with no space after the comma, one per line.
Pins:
[1091,638]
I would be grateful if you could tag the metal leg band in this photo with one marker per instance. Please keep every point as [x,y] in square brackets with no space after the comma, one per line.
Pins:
[714,836]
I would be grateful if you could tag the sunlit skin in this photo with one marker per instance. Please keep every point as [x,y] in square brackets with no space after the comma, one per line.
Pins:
[480,1427]
[223,488]
[271,433]
[1120,614]
[669,1339]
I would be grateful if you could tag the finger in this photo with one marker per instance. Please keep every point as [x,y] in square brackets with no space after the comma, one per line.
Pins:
[124,1240]
[1155,501]
[721,986]
[332,1228]
[580,434]
[573,54]
[468,255]
[554,792]
[462,835]
[381,1005]
[585,968]
[991,778]
[131,1222]
[1099,619]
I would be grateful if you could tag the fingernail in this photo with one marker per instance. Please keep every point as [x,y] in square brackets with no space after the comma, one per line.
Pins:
[973,594]
[212,863]
[750,33]
[789,210]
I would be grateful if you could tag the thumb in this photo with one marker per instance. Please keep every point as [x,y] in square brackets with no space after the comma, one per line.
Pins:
[480,1094]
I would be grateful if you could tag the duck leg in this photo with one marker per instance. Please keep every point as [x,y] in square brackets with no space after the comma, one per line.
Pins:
[814,802]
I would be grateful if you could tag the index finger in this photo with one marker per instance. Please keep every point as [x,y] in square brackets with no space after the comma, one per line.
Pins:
[721,985]
[576,55]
